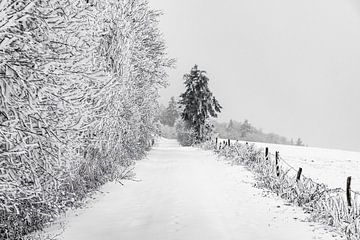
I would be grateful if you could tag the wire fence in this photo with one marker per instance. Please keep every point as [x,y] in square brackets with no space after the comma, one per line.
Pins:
[225,143]
[282,160]
[337,207]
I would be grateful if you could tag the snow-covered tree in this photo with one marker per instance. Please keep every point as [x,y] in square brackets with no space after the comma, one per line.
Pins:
[299,142]
[170,113]
[198,102]
[78,80]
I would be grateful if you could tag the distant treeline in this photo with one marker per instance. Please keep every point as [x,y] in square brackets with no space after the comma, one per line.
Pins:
[169,117]
[245,131]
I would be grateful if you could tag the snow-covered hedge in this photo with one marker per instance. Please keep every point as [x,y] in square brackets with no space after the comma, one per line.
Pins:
[326,205]
[78,87]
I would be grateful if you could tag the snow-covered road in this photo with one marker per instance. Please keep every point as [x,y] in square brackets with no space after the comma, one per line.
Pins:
[185,193]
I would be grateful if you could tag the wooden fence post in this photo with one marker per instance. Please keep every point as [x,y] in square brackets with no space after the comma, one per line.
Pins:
[348,191]
[277,163]
[229,142]
[266,153]
[298,175]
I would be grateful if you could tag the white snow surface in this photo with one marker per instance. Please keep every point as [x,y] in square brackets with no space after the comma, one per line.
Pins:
[186,193]
[328,166]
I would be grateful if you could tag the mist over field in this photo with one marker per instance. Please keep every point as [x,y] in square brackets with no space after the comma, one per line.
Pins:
[289,67]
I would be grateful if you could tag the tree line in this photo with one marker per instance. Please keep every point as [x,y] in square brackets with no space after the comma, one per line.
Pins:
[78,80]
[246,132]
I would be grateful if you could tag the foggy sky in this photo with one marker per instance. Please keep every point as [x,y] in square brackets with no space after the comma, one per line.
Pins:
[289,67]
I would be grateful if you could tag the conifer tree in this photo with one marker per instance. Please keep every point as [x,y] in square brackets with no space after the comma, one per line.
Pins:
[170,113]
[198,102]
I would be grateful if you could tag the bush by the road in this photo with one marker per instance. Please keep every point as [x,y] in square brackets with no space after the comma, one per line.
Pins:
[78,80]
[184,134]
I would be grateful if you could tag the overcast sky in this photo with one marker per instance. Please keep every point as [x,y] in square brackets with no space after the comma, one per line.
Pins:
[289,67]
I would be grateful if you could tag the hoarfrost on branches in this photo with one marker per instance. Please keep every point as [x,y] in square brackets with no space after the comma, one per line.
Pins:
[79,82]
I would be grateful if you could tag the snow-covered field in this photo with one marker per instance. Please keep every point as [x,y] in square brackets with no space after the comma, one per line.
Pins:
[329,166]
[186,193]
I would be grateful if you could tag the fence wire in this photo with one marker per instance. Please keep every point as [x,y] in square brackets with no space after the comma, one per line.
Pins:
[282,160]
[329,203]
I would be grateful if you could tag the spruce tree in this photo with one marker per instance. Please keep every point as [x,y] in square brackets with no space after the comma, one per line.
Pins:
[171,113]
[198,102]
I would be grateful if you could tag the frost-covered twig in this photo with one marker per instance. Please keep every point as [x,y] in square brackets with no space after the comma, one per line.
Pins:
[77,88]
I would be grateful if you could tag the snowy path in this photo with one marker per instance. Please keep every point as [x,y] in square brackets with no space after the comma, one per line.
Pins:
[184,193]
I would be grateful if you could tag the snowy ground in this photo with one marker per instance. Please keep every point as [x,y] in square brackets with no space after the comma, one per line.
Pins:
[185,193]
[329,166]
